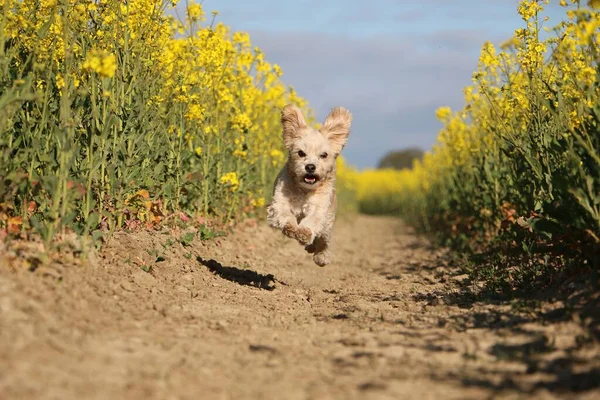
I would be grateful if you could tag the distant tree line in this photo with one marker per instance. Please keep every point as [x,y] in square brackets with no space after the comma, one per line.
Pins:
[400,159]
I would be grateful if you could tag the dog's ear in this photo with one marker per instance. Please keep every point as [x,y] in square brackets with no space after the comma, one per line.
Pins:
[336,128]
[293,122]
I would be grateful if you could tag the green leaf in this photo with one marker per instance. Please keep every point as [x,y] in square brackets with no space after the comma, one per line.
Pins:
[545,227]
[97,236]
[187,238]
[92,221]
[68,218]
[158,169]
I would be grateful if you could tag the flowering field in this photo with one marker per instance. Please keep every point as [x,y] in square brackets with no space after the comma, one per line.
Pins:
[113,114]
[514,176]
[117,115]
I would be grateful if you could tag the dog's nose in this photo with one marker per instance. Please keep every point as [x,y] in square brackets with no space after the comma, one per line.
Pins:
[310,168]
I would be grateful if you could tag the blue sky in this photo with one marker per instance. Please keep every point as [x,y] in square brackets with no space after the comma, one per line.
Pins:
[392,63]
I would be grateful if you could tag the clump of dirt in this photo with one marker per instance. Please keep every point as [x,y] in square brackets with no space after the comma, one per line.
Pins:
[251,316]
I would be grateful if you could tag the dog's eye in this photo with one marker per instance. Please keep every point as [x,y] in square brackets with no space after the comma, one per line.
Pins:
[324,155]
[301,154]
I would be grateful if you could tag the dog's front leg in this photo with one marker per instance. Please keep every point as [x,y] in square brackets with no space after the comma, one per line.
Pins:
[280,216]
[312,224]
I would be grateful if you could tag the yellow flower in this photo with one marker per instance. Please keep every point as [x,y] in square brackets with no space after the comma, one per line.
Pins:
[241,38]
[230,179]
[198,151]
[195,112]
[529,8]
[488,56]
[60,81]
[443,113]
[260,202]
[277,157]
[241,122]
[101,62]
[277,154]
[195,12]
[240,153]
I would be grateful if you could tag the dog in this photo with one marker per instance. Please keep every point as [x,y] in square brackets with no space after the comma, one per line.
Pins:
[304,202]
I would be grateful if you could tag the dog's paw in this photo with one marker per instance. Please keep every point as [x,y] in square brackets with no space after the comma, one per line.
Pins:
[289,230]
[322,258]
[304,236]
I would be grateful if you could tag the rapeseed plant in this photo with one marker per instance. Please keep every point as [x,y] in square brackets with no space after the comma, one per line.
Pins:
[517,167]
[103,100]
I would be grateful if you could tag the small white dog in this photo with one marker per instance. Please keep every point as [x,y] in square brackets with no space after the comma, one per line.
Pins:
[304,200]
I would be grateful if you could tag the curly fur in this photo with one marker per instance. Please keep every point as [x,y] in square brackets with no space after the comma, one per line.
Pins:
[304,200]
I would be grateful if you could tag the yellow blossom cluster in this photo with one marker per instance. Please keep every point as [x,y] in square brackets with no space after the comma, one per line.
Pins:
[102,63]
[526,143]
[230,180]
[123,96]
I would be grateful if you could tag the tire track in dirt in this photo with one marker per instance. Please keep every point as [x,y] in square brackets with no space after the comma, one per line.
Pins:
[251,316]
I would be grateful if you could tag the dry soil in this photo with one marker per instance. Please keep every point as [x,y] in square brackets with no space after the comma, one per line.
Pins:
[249,316]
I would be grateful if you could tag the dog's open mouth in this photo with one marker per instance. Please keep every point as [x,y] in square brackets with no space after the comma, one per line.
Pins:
[310,179]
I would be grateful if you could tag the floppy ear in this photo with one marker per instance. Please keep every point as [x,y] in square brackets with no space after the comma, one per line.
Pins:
[336,128]
[293,122]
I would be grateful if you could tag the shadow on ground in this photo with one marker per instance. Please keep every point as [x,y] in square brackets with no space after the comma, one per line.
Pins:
[552,337]
[244,277]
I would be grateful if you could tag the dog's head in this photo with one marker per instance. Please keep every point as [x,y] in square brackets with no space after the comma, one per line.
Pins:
[312,153]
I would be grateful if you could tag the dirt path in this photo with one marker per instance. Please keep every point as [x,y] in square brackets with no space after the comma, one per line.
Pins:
[387,320]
